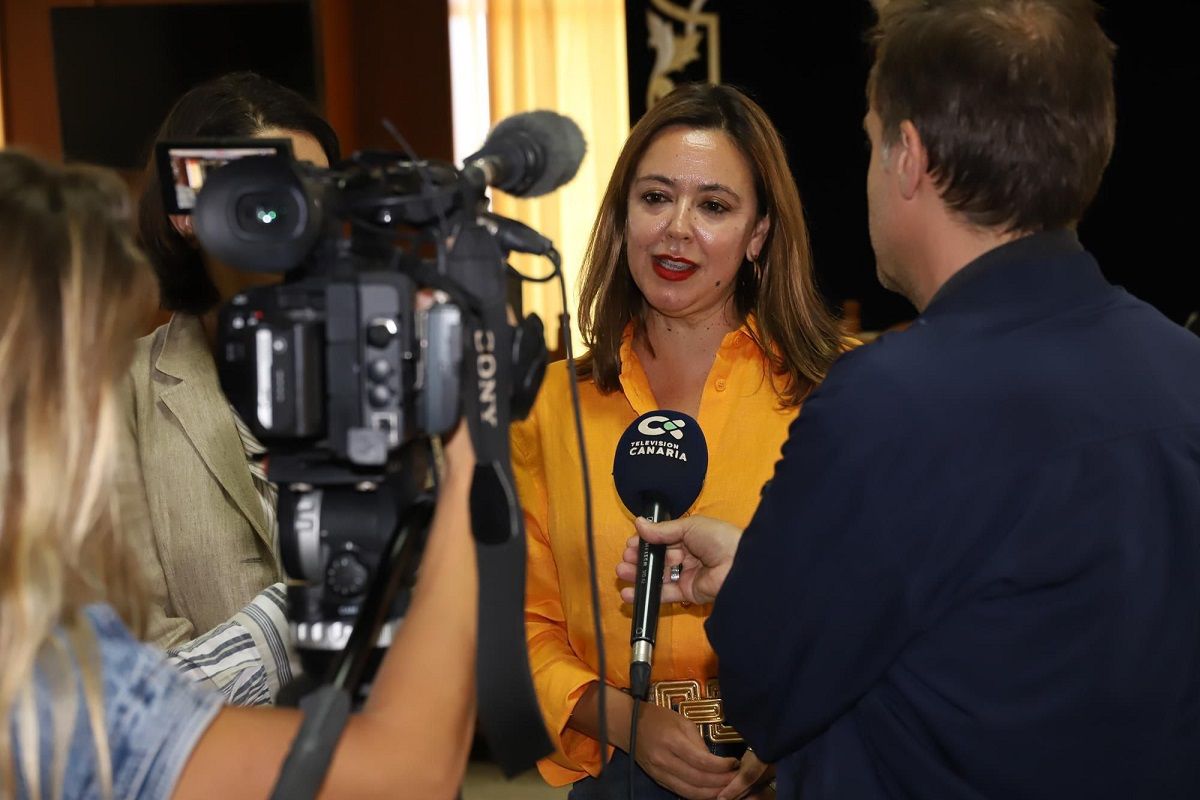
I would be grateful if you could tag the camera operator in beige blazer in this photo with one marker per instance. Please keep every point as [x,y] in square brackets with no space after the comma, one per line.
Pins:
[195,494]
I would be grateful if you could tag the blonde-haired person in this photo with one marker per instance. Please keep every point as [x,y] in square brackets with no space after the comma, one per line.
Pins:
[697,295]
[85,710]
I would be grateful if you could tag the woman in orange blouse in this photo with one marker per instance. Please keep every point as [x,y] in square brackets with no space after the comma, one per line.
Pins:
[697,296]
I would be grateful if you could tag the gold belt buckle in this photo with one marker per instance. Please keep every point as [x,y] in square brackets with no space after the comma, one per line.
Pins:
[706,710]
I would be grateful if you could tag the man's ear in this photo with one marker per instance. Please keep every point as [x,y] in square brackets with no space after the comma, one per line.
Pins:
[910,160]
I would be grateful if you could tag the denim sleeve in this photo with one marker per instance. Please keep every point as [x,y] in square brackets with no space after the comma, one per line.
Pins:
[153,716]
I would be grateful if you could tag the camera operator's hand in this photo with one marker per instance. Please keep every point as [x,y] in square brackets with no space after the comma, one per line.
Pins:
[458,451]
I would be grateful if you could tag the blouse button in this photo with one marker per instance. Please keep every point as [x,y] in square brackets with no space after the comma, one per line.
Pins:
[720,384]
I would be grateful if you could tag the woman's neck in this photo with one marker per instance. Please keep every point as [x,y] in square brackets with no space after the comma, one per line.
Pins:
[678,353]
[688,338]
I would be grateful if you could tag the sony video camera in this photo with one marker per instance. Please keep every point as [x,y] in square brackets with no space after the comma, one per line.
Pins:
[338,368]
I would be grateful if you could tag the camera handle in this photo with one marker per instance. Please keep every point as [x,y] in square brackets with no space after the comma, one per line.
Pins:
[327,708]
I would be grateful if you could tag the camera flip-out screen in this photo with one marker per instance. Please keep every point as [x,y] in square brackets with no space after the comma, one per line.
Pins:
[183,165]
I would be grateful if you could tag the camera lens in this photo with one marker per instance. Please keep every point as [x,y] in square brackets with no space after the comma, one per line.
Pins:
[259,213]
[266,214]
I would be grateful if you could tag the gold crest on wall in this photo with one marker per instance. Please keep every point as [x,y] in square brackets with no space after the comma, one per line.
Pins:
[679,36]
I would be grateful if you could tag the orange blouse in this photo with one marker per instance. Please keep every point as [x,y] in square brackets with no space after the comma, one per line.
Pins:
[744,428]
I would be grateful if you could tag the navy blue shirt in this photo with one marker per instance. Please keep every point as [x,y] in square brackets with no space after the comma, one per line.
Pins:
[976,572]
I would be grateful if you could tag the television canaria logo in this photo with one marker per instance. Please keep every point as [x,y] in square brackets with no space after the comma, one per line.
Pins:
[659,426]
[650,426]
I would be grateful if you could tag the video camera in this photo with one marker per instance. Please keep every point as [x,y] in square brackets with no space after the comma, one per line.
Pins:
[344,375]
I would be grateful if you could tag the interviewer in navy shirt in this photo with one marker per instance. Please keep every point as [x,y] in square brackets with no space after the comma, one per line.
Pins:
[980,552]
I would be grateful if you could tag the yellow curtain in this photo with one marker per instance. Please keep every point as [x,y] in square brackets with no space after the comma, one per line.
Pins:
[567,56]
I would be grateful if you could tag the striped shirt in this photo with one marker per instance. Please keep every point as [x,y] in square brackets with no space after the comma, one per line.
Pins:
[250,657]
[256,462]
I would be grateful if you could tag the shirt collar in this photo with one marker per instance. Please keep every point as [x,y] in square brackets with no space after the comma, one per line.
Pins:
[636,385]
[185,352]
[1047,269]
[747,331]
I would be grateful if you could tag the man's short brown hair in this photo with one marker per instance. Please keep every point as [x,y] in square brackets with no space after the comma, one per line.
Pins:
[1013,100]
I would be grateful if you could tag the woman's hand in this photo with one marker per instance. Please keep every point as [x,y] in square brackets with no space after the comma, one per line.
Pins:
[670,750]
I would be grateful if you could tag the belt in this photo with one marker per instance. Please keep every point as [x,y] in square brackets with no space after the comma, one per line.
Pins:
[705,708]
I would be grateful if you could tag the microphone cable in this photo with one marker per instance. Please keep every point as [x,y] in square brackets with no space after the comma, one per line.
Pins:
[633,726]
[564,320]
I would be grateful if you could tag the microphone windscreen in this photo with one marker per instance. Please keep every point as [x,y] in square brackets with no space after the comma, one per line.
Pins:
[557,140]
[661,456]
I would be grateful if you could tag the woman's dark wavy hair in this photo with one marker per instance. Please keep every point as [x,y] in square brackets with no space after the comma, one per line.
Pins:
[797,332]
[239,104]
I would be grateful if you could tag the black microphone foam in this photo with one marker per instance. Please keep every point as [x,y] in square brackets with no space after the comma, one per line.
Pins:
[662,457]
[536,152]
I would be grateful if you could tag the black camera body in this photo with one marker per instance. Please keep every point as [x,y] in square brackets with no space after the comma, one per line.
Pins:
[389,326]
[336,375]
[338,368]
[338,371]
[350,365]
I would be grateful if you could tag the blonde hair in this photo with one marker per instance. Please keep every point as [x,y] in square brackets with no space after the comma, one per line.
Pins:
[75,291]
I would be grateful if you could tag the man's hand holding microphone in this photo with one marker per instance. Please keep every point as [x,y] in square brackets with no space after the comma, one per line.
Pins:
[659,469]
[700,551]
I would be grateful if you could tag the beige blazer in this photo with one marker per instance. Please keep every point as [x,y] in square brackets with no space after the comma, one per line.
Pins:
[186,495]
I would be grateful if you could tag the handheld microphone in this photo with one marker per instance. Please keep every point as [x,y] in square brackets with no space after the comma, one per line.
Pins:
[659,469]
[530,154]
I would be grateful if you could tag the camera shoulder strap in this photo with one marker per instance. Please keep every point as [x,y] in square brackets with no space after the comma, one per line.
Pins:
[509,715]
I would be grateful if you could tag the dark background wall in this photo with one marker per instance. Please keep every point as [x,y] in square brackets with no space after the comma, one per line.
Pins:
[150,55]
[806,63]
[91,79]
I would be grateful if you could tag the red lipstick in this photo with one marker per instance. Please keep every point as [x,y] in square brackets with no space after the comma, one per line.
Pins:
[673,268]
